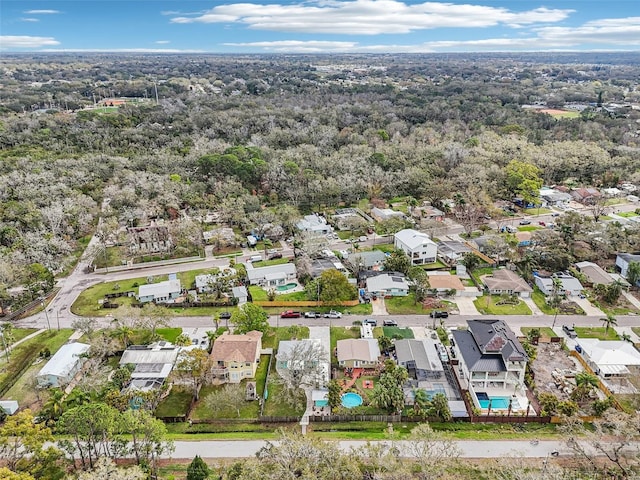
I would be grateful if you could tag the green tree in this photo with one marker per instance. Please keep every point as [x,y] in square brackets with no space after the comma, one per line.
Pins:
[334,395]
[250,317]
[106,469]
[123,332]
[388,393]
[397,261]
[333,287]
[198,469]
[183,340]
[148,437]
[548,403]
[193,366]
[470,260]
[7,474]
[385,343]
[439,407]
[523,180]
[633,273]
[609,321]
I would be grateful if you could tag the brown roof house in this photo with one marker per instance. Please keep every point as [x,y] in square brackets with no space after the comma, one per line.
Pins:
[236,357]
[358,352]
[444,281]
[507,281]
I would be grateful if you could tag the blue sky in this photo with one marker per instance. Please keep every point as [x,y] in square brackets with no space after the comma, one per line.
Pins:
[310,26]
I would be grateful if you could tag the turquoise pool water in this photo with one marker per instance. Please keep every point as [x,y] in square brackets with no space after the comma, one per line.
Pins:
[322,403]
[287,286]
[496,402]
[350,400]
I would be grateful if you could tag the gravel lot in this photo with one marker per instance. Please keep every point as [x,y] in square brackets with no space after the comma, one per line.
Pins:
[551,357]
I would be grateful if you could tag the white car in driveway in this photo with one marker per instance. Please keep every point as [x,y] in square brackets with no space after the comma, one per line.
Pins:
[333,314]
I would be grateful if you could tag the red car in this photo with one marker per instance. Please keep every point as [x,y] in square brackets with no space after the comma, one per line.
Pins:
[290,314]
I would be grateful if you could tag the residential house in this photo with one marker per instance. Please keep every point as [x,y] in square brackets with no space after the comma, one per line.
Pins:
[429,212]
[490,355]
[585,195]
[272,275]
[554,198]
[594,273]
[443,282]
[388,285]
[9,407]
[351,219]
[63,365]
[204,282]
[319,265]
[384,214]
[220,237]
[624,259]
[611,358]
[451,251]
[236,357]
[149,239]
[161,292]
[569,285]
[421,358]
[153,364]
[358,353]
[370,260]
[241,294]
[506,281]
[314,223]
[417,245]
[305,357]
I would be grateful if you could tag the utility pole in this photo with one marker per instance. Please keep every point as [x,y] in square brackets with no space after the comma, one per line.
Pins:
[47,316]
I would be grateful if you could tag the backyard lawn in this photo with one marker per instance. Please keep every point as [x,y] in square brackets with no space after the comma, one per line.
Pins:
[397,332]
[274,406]
[596,332]
[249,409]
[266,263]
[176,404]
[272,339]
[489,305]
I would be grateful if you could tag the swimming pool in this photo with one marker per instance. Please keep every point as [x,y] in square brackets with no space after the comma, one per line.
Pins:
[350,400]
[321,403]
[285,287]
[496,402]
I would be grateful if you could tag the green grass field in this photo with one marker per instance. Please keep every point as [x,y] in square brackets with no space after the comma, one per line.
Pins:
[488,305]
[540,300]
[529,228]
[397,332]
[537,211]
[175,404]
[544,331]
[627,214]
[565,114]
[597,332]
[404,305]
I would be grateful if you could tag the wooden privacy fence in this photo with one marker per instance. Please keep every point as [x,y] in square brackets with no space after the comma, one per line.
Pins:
[306,303]
[601,385]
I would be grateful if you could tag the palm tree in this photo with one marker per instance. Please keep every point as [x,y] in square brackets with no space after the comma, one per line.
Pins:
[555,299]
[124,333]
[54,406]
[609,321]
[421,402]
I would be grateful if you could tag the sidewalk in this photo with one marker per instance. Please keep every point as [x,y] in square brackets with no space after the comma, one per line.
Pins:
[631,299]
[28,337]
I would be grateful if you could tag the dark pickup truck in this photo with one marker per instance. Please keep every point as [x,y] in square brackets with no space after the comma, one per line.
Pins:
[290,314]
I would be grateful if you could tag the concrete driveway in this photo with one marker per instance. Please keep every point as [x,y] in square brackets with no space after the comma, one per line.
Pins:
[379,307]
[587,307]
[466,306]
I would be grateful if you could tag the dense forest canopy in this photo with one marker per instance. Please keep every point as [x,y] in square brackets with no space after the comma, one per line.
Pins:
[231,134]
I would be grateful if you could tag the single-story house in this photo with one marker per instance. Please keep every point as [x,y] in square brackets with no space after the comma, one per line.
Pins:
[612,192]
[383,214]
[571,286]
[430,212]
[506,281]
[358,352]
[585,195]
[222,236]
[203,282]
[611,358]
[162,292]
[314,223]
[490,354]
[388,285]
[420,357]
[451,251]
[236,357]
[241,294]
[272,275]
[594,273]
[444,281]
[306,357]
[370,260]
[63,366]
[624,259]
[553,197]
[153,364]
[417,245]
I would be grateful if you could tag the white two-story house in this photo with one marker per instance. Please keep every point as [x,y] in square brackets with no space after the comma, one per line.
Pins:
[417,245]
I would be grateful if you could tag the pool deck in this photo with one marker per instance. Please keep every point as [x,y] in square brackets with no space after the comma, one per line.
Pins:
[519,404]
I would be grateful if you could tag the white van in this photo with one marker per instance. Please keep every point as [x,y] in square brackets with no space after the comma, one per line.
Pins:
[255,258]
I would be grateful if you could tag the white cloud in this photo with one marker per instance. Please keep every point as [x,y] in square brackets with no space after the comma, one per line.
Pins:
[41,12]
[608,31]
[24,41]
[29,19]
[161,42]
[121,50]
[299,46]
[370,17]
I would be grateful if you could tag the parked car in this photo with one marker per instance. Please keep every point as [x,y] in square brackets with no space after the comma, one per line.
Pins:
[390,323]
[225,315]
[555,214]
[525,222]
[290,314]
[333,314]
[273,256]
[542,224]
[439,314]
[311,315]
[344,253]
[569,331]
[370,321]
[362,238]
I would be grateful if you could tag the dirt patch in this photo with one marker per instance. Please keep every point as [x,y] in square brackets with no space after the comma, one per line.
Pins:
[552,111]
[555,370]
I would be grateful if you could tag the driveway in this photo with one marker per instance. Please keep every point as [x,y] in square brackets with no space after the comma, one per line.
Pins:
[532,305]
[466,306]
[379,307]
[587,307]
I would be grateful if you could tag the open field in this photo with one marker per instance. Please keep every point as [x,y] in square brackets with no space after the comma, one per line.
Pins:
[489,305]
[555,113]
